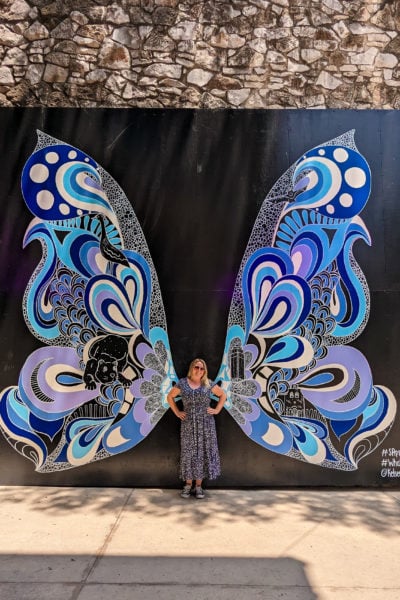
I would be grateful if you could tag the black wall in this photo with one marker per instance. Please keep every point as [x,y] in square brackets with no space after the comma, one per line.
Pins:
[196,180]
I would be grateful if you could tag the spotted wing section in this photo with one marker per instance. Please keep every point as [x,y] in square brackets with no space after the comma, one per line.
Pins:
[294,384]
[98,384]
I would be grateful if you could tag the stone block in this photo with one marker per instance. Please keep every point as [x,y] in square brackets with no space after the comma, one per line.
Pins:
[116,15]
[225,40]
[159,42]
[9,38]
[55,74]
[86,41]
[114,56]
[96,76]
[36,31]
[65,30]
[238,97]
[186,30]
[58,58]
[96,31]
[15,11]
[165,16]
[310,56]
[199,77]
[386,61]
[164,70]
[364,58]
[327,81]
[78,17]
[15,56]
[6,76]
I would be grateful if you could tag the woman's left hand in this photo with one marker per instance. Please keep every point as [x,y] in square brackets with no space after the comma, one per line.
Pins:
[212,411]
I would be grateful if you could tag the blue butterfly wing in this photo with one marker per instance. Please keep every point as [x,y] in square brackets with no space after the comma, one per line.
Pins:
[293,383]
[97,386]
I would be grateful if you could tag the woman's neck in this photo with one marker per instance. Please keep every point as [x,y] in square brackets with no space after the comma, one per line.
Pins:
[194,383]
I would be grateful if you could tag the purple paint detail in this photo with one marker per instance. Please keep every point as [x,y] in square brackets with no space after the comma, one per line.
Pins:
[66,398]
[142,351]
[302,183]
[91,255]
[142,416]
[148,374]
[250,416]
[306,260]
[351,396]
[92,183]
[253,350]
[135,388]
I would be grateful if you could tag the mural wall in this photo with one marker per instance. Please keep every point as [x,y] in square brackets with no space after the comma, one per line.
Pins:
[298,383]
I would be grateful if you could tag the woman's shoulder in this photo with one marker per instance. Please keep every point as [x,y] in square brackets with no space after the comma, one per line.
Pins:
[181,382]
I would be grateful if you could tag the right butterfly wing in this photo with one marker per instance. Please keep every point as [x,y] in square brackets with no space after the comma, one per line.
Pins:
[292,385]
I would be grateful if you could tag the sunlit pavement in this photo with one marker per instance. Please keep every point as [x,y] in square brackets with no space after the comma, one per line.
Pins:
[144,544]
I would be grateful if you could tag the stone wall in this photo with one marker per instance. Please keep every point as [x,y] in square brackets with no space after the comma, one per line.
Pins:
[201,54]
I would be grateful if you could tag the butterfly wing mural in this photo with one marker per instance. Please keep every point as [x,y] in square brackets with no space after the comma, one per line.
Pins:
[98,385]
[294,384]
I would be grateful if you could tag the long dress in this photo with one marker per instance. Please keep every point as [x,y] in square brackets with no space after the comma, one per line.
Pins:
[199,445]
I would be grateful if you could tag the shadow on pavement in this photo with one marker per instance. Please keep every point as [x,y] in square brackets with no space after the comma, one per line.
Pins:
[85,577]
[377,511]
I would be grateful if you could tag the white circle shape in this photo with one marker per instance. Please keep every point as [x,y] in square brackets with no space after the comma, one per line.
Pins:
[346,200]
[330,209]
[321,152]
[39,173]
[52,157]
[79,211]
[72,154]
[64,209]
[45,199]
[273,435]
[355,177]
[86,159]
[340,155]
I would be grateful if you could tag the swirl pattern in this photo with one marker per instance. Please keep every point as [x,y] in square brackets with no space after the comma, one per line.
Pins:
[296,302]
[94,302]
[294,385]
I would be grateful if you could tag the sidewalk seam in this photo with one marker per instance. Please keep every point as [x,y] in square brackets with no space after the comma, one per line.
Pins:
[387,494]
[100,553]
[299,538]
[236,586]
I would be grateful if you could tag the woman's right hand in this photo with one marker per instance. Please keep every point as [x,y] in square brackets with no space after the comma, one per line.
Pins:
[181,415]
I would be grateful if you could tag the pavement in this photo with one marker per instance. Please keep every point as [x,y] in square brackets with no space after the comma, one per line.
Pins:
[64,543]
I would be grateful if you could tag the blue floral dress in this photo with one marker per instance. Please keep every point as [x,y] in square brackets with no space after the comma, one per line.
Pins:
[199,446]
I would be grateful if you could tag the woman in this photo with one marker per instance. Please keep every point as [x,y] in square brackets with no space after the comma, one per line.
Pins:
[199,447]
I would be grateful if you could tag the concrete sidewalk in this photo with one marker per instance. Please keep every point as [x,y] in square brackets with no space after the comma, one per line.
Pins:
[136,544]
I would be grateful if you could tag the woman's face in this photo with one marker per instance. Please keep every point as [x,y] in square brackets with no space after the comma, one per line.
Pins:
[198,370]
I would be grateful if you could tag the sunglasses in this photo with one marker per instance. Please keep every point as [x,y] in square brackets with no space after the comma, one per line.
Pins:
[200,368]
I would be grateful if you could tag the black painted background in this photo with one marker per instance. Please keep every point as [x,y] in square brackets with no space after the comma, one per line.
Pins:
[196,180]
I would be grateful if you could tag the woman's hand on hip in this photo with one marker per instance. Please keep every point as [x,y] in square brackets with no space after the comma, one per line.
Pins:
[212,411]
[181,415]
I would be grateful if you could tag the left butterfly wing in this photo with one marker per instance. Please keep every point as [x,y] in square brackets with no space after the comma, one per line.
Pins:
[292,384]
[99,384]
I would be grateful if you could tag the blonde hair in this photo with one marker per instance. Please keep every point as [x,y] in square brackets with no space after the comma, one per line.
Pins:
[204,380]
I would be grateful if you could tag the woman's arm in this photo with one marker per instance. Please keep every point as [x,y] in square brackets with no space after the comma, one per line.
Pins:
[219,392]
[173,393]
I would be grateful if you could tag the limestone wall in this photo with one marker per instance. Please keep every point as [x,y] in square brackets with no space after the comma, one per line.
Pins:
[201,54]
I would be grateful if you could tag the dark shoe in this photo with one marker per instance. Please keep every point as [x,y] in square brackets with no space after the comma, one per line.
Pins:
[199,492]
[186,491]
